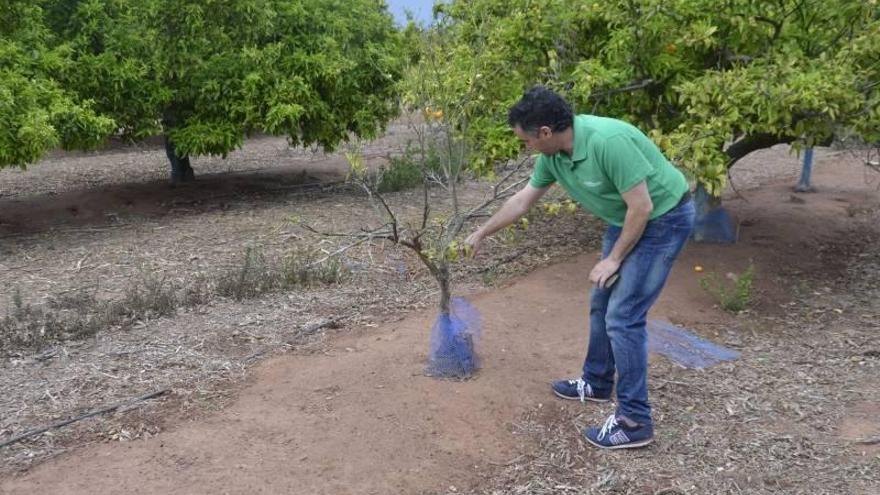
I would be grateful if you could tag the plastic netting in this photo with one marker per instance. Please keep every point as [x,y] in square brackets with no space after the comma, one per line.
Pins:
[685,348]
[453,342]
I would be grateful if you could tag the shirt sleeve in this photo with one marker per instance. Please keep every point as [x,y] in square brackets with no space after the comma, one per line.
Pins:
[623,162]
[541,176]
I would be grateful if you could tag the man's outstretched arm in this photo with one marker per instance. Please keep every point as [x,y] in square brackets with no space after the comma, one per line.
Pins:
[510,212]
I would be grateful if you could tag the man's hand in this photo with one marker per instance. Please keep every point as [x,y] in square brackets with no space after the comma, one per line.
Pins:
[472,243]
[603,270]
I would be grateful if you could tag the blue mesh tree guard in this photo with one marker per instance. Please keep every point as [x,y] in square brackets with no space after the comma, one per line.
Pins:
[713,223]
[685,348]
[453,342]
[806,170]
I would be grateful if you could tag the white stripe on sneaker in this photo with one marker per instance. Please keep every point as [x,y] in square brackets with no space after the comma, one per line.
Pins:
[619,437]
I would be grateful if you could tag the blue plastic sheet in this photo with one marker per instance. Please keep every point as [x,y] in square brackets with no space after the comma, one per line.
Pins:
[453,342]
[685,348]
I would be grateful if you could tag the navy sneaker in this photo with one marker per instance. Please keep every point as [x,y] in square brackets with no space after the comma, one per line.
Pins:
[619,432]
[578,390]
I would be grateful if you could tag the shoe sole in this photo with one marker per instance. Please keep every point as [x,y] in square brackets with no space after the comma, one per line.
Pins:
[631,445]
[591,399]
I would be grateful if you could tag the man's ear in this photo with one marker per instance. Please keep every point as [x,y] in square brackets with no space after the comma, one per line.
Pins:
[545,131]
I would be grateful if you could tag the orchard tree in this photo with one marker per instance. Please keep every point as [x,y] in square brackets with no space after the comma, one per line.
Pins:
[709,80]
[36,114]
[204,75]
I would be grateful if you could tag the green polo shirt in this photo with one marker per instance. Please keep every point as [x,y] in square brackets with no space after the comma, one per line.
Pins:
[611,157]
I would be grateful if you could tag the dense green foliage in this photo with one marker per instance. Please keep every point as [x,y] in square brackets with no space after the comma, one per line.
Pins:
[208,73]
[36,113]
[710,80]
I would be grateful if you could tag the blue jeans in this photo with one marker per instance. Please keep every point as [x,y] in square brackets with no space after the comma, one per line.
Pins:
[618,338]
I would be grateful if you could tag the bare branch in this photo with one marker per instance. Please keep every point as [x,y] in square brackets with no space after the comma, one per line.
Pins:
[777,26]
[458,222]
[634,86]
[390,214]
[426,211]
[339,251]
[434,178]
[511,173]
[603,96]
[326,234]
[377,233]
[869,86]
[753,142]
[499,195]
[375,196]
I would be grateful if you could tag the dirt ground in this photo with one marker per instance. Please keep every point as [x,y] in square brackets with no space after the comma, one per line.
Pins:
[257,405]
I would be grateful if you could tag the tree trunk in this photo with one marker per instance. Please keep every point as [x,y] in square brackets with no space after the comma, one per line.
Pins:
[714,223]
[181,170]
[445,290]
[753,142]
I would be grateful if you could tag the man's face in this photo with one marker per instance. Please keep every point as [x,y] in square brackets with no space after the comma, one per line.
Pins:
[540,140]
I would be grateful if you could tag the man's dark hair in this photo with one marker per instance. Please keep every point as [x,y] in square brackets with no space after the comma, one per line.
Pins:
[540,107]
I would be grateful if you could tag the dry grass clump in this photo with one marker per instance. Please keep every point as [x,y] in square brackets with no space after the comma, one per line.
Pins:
[80,314]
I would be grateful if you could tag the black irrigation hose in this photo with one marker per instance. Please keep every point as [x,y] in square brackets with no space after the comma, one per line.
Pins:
[84,416]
